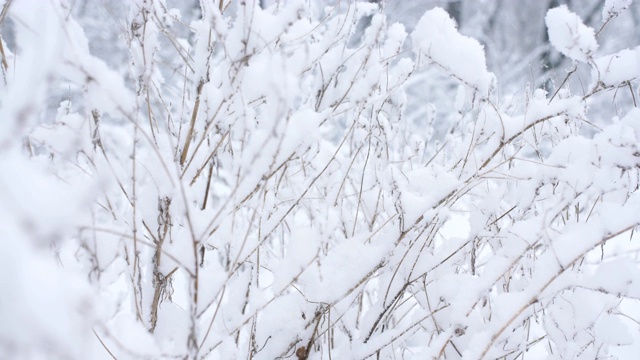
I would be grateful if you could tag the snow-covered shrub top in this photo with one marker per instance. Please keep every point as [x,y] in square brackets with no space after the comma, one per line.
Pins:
[249,184]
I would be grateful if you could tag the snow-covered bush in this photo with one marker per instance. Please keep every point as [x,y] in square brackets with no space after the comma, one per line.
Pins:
[248,185]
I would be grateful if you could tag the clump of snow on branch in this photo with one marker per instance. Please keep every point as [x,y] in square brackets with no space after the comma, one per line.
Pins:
[436,37]
[613,8]
[569,35]
[617,68]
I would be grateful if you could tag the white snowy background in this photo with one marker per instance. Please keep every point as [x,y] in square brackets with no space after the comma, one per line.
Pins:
[319,179]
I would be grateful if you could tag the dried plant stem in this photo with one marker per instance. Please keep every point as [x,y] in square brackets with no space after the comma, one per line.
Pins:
[194,116]
[103,344]
[136,277]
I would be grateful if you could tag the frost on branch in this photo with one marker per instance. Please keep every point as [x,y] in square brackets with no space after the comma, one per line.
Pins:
[569,35]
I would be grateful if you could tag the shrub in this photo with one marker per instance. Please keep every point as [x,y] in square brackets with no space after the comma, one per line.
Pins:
[248,186]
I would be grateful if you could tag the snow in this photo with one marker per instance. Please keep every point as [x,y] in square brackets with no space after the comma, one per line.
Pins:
[436,37]
[613,8]
[42,303]
[617,68]
[27,82]
[569,35]
[342,187]
[611,330]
